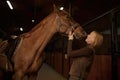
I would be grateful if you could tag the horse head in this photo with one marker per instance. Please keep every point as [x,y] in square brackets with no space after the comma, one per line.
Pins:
[66,23]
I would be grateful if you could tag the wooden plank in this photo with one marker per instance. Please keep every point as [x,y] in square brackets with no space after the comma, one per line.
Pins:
[101,68]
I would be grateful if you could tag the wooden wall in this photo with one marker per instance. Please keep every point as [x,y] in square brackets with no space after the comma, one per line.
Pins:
[101,68]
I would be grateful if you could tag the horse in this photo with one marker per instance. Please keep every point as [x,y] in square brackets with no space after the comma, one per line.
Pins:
[27,57]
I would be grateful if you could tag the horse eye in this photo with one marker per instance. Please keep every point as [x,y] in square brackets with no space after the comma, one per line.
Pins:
[69,17]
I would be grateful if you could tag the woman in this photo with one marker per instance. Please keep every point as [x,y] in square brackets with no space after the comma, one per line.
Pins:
[83,58]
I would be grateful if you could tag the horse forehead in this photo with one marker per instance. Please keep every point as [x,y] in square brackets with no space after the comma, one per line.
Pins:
[67,19]
[62,12]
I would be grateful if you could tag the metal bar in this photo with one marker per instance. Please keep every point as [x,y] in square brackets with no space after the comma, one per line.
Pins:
[113,10]
[114,46]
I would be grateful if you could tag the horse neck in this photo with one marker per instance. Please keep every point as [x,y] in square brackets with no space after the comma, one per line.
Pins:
[44,31]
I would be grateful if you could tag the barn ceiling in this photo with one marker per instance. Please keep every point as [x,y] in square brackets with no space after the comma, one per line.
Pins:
[26,10]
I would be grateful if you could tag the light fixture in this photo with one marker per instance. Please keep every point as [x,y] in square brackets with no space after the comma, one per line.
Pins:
[33,20]
[61,8]
[9,4]
[21,29]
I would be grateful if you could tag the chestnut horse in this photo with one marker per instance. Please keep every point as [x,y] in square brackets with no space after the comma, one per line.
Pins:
[27,57]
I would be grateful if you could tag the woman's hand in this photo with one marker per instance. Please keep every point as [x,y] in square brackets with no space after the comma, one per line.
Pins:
[70,36]
[66,57]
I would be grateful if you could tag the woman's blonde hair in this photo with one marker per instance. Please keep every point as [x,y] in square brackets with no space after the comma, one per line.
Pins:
[98,38]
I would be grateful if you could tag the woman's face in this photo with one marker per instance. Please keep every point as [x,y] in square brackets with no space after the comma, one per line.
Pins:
[90,38]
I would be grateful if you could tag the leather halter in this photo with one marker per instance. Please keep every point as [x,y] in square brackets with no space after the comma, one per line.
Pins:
[74,26]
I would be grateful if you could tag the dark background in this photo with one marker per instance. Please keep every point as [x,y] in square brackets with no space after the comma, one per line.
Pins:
[25,10]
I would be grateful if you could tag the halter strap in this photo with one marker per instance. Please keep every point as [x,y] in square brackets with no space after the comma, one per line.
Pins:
[74,26]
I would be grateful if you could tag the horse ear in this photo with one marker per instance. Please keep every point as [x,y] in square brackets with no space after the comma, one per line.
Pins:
[55,8]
